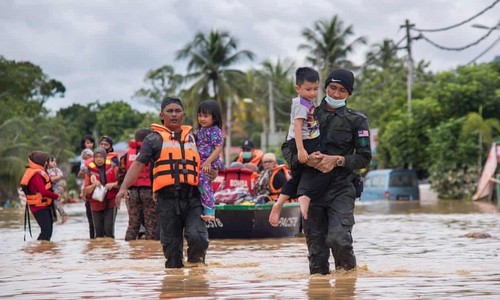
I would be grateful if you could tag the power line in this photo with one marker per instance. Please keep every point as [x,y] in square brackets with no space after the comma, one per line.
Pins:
[461,23]
[484,52]
[458,48]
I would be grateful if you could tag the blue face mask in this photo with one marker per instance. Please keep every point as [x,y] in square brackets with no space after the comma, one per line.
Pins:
[247,155]
[335,103]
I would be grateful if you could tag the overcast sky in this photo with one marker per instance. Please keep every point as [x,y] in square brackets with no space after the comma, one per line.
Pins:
[101,50]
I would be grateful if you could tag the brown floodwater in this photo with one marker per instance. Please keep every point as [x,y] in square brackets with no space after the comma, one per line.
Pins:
[405,250]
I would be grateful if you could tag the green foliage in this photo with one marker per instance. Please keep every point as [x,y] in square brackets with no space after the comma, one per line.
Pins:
[399,145]
[147,120]
[404,140]
[455,183]
[475,125]
[114,117]
[72,183]
[21,135]
[452,156]
[444,145]
[26,88]
[163,82]
[12,107]
[379,93]
[467,88]
[454,118]
[79,120]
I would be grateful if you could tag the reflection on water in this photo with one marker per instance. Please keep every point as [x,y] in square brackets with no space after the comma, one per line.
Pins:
[42,247]
[182,283]
[404,250]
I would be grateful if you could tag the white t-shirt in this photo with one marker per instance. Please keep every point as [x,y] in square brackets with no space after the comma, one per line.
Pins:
[303,109]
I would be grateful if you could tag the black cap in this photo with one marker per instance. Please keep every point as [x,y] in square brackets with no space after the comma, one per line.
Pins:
[247,144]
[342,76]
[167,101]
[107,139]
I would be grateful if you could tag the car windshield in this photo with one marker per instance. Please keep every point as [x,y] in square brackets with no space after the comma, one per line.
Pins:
[403,180]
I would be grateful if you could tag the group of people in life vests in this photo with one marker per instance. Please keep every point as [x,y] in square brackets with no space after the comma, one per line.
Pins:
[102,166]
[174,154]
[267,177]
[99,169]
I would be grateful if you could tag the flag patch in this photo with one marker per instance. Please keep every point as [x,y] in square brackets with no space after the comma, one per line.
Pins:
[363,133]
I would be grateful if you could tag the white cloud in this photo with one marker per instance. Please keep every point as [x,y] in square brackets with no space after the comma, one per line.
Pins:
[103,49]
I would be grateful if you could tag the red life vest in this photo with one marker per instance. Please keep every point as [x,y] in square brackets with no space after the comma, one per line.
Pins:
[179,160]
[144,179]
[109,200]
[35,199]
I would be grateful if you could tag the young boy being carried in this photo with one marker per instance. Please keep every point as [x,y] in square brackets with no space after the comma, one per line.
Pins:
[302,140]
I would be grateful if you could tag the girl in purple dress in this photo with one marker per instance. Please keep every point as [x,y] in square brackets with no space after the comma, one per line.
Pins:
[209,142]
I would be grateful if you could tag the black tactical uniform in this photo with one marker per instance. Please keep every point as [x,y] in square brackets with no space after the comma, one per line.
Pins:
[331,217]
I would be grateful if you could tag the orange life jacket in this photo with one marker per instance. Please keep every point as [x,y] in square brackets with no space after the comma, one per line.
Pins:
[274,192]
[179,160]
[256,157]
[144,179]
[111,155]
[35,199]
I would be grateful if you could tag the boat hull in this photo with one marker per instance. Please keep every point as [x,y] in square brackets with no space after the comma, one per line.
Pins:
[252,221]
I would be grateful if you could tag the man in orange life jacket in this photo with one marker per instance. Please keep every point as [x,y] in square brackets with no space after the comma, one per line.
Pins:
[141,207]
[249,154]
[173,150]
[37,187]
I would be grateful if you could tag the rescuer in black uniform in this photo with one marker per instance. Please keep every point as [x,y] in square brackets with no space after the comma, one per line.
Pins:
[345,144]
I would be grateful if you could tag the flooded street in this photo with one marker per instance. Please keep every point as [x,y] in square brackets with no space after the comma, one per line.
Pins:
[405,250]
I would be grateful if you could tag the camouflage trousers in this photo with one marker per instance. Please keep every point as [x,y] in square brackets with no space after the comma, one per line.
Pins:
[142,210]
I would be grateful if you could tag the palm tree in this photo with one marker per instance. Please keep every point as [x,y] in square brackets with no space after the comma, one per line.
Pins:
[328,46]
[211,58]
[164,82]
[13,153]
[267,92]
[382,55]
[277,81]
[485,128]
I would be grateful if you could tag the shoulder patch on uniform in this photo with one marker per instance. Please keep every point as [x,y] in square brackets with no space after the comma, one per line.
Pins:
[357,113]
[363,133]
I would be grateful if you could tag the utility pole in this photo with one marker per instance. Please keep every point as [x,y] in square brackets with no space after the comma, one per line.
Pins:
[229,109]
[272,118]
[409,82]
[321,69]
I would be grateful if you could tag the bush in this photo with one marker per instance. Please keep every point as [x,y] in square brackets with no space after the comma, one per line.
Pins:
[455,184]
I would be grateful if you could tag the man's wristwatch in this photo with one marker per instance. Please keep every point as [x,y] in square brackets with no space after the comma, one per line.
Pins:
[341,162]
